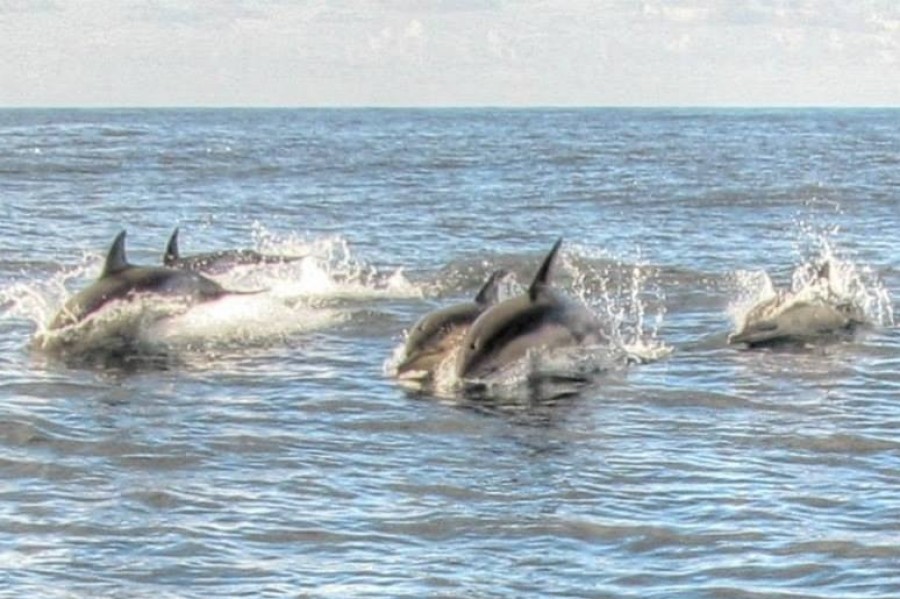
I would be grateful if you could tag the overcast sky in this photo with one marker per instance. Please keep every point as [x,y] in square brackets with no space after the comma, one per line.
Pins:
[449,52]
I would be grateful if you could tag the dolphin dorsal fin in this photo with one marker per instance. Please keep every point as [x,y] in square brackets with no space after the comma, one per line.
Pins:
[488,292]
[115,259]
[543,273]
[171,254]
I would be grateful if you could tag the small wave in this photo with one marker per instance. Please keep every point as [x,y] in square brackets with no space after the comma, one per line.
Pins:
[38,299]
[237,319]
[114,330]
[329,269]
[123,131]
[159,329]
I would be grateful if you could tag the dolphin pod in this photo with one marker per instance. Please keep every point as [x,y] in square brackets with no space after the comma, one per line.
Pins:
[475,339]
[544,318]
[216,262]
[120,280]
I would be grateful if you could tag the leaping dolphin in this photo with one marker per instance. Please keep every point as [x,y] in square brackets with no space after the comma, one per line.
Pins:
[541,318]
[217,262]
[438,333]
[120,280]
[810,313]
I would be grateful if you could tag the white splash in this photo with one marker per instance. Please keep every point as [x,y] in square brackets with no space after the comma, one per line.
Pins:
[327,268]
[288,298]
[117,327]
[626,295]
[753,288]
[237,319]
[38,300]
[849,284]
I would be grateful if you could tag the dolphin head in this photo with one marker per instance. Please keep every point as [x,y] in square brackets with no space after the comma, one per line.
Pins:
[542,317]
[438,332]
[505,333]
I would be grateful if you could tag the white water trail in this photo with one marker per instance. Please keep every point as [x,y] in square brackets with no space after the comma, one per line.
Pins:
[289,298]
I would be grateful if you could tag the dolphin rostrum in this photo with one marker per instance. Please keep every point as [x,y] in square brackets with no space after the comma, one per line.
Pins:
[121,280]
[810,313]
[217,262]
[540,318]
[439,332]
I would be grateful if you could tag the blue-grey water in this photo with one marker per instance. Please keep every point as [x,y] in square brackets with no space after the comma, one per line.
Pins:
[272,454]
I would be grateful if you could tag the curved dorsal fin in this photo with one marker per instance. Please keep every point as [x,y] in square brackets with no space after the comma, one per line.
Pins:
[543,273]
[115,259]
[488,292]
[171,254]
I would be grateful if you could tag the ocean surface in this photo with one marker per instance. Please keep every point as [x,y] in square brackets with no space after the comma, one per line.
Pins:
[272,453]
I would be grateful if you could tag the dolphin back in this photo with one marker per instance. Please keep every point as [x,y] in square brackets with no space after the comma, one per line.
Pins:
[219,261]
[120,280]
[796,322]
[166,282]
[815,311]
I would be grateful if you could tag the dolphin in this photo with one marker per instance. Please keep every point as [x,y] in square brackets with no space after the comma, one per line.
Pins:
[121,280]
[805,315]
[540,318]
[217,262]
[439,332]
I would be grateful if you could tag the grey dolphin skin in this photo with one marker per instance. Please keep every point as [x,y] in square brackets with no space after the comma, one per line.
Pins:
[788,319]
[439,332]
[120,279]
[217,262]
[541,318]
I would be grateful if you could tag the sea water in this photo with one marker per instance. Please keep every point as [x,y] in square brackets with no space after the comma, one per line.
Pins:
[271,453]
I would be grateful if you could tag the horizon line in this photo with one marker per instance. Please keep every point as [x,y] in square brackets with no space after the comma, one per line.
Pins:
[450,107]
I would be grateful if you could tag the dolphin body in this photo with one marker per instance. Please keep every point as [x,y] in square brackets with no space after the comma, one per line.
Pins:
[217,262]
[120,280]
[439,332]
[806,315]
[541,318]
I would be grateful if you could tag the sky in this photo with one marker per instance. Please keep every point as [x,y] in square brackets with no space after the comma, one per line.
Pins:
[449,53]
